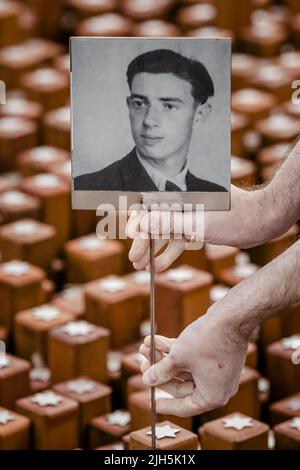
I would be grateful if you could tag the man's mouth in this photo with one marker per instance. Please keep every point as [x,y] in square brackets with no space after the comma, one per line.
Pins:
[151,138]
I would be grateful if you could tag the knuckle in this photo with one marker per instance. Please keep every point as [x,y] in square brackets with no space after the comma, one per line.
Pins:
[174,358]
[215,402]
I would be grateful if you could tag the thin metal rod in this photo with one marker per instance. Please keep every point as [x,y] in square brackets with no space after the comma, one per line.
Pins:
[152,349]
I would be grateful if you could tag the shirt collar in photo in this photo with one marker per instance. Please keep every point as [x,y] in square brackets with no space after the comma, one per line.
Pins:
[160,179]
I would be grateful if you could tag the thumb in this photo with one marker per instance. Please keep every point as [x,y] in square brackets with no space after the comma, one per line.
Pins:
[161,372]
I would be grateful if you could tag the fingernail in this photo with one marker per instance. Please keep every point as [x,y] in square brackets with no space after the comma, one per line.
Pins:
[150,377]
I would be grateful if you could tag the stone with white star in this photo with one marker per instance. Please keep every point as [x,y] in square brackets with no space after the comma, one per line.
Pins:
[72,291]
[90,243]
[295,424]
[46,313]
[45,180]
[242,258]
[24,228]
[80,386]
[78,328]
[162,431]
[118,447]
[6,416]
[145,328]
[236,164]
[217,293]
[4,361]
[244,271]
[179,274]
[244,268]
[293,404]
[63,115]
[15,268]
[263,385]
[112,285]
[141,278]
[40,374]
[118,418]
[45,76]
[43,154]
[293,342]
[47,398]
[271,440]
[66,168]
[114,359]
[237,422]
[13,198]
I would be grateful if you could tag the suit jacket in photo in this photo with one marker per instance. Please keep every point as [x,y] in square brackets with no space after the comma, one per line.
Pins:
[128,174]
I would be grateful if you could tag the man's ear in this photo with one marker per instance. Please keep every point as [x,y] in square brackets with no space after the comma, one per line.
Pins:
[202,112]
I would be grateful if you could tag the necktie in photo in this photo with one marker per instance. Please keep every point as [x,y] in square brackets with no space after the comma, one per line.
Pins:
[171,186]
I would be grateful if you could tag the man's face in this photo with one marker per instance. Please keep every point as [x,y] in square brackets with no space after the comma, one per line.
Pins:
[162,112]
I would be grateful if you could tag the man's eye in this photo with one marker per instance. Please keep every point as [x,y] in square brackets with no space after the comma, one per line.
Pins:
[138,104]
[169,106]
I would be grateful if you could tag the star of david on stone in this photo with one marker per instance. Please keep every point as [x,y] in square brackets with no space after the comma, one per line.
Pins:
[24,228]
[293,404]
[114,359]
[141,277]
[4,361]
[118,447]
[6,416]
[238,422]
[15,268]
[80,386]
[45,313]
[90,243]
[295,424]
[164,431]
[79,328]
[41,374]
[119,418]
[13,198]
[179,274]
[145,328]
[72,291]
[112,285]
[45,180]
[244,271]
[263,385]
[47,399]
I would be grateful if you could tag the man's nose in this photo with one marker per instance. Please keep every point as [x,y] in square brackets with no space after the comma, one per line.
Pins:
[151,117]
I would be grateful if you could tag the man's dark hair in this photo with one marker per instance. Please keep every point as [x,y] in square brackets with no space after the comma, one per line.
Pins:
[168,61]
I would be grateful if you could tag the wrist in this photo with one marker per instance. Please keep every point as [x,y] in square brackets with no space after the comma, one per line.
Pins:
[234,317]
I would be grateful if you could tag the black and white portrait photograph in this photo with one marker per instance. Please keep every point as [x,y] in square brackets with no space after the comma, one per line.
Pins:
[148,116]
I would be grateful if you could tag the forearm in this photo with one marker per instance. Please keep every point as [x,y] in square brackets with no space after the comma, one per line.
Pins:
[249,222]
[259,215]
[270,290]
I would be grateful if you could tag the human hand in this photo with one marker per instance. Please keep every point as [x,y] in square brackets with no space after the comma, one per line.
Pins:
[201,368]
[174,232]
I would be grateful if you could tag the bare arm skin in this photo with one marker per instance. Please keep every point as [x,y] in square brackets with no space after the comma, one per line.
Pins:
[202,367]
[256,216]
